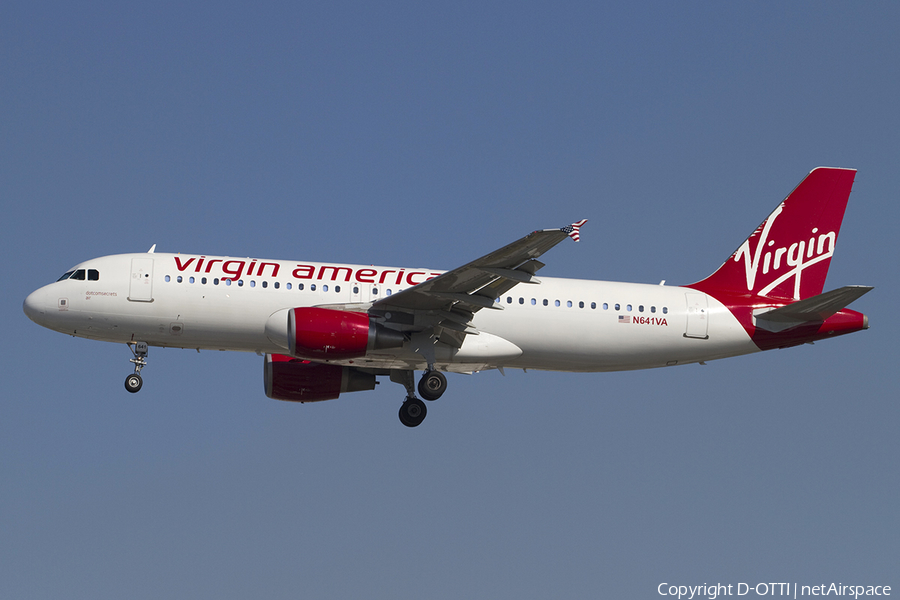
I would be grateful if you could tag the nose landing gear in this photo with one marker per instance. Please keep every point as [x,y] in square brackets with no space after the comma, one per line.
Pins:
[134,382]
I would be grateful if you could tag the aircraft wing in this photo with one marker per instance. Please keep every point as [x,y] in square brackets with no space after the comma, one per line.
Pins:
[478,284]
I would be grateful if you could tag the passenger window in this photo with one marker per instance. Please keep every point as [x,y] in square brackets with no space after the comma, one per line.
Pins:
[337,289]
[287,286]
[628,308]
[617,306]
[641,308]
[355,289]
[546,302]
[300,286]
[605,306]
[389,292]
[277,285]
[228,282]
[216,281]
[240,283]
[252,283]
[312,287]
[534,301]
[593,305]
[265,284]
[556,303]
[665,310]
[521,300]
[178,279]
[168,279]
[509,299]
[93,275]
[203,280]
[324,288]
[569,303]
[581,305]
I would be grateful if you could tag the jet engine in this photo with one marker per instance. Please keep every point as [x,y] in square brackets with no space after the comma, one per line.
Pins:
[300,380]
[328,334]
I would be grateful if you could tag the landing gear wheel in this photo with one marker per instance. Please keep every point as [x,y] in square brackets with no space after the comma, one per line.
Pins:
[413,412]
[133,383]
[432,385]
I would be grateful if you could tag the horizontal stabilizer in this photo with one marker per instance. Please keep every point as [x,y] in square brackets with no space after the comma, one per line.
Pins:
[816,308]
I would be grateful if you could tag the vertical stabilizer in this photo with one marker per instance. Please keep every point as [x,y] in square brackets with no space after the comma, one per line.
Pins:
[788,255]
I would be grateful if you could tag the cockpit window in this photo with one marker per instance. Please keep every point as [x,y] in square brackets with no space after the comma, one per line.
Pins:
[81,275]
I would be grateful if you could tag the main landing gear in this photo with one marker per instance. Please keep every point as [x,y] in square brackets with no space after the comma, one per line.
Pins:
[431,386]
[134,382]
[412,412]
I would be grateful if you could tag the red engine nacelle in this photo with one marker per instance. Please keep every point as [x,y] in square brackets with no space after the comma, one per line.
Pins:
[299,380]
[336,334]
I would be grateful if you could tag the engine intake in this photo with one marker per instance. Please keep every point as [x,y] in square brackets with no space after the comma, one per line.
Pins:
[298,380]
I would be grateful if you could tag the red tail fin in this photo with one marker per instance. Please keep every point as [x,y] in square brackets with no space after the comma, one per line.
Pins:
[788,255]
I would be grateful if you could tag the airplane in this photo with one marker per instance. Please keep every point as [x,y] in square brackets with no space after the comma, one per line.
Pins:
[324,329]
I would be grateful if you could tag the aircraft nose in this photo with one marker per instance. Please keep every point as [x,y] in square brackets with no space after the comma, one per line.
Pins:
[35,306]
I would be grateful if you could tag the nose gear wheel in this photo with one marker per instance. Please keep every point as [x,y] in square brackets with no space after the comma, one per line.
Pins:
[134,382]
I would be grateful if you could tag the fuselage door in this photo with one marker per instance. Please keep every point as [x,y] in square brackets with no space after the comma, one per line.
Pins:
[140,288]
[697,316]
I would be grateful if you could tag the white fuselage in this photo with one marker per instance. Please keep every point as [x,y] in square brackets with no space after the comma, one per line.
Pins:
[191,301]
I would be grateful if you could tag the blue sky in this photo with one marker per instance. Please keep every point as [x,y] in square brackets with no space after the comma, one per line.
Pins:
[429,134]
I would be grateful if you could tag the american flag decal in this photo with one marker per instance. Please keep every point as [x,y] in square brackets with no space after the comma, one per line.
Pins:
[624,319]
[572,230]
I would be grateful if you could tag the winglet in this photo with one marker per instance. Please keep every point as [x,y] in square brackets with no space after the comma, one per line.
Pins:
[572,230]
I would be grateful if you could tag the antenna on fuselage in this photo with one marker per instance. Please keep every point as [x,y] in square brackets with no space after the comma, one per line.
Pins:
[152,249]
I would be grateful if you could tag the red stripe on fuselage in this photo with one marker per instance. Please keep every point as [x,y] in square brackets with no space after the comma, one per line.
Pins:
[742,306]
